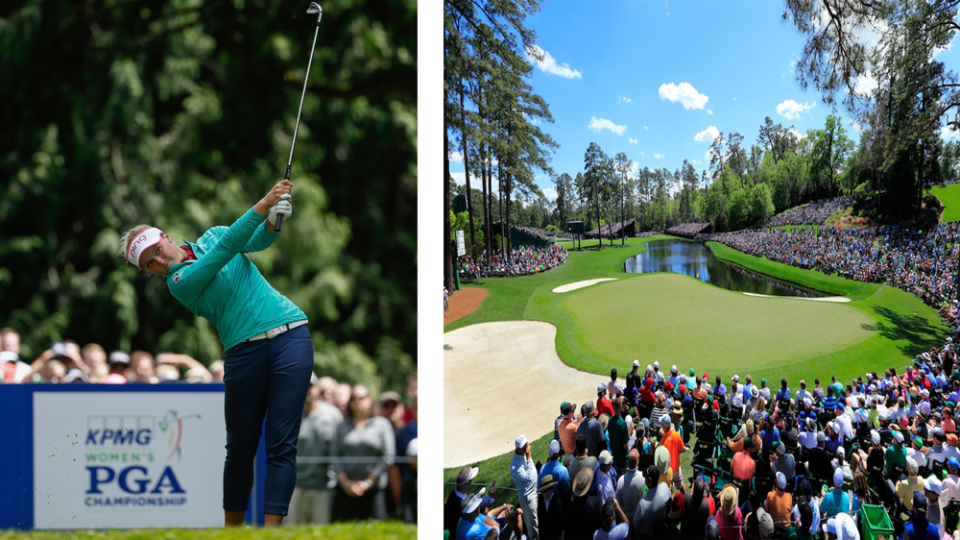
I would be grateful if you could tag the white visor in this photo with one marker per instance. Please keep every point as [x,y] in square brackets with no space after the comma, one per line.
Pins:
[147,238]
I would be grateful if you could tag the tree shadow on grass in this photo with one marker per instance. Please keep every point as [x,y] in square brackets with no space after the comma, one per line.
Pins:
[918,333]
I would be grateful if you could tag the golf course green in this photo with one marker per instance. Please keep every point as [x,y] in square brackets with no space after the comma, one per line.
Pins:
[674,319]
[679,320]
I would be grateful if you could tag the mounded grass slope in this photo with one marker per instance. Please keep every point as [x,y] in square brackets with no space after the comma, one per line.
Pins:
[950,197]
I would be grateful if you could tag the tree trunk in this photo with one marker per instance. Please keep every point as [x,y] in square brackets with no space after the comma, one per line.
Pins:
[447,253]
[500,182]
[466,165]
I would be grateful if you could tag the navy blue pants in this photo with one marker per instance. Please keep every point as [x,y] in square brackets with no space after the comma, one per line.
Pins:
[265,377]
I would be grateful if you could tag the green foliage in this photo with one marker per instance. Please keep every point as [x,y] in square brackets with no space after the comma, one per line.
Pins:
[350,531]
[181,114]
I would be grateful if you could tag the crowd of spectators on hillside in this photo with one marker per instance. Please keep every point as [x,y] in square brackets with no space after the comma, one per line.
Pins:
[813,213]
[767,462]
[523,260]
[344,440]
[920,262]
[687,229]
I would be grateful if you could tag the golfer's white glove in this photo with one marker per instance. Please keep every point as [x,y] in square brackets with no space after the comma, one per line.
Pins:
[283,207]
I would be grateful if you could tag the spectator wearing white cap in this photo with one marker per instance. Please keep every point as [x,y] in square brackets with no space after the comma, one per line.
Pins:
[913,483]
[674,377]
[931,490]
[630,485]
[736,397]
[14,370]
[604,406]
[451,510]
[524,475]
[841,527]
[896,456]
[779,502]
[633,378]
[119,362]
[555,469]
[835,501]
[604,477]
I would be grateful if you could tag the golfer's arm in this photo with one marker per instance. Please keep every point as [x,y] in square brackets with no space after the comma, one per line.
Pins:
[263,238]
[198,275]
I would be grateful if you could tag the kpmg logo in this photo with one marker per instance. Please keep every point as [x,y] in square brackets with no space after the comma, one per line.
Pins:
[122,460]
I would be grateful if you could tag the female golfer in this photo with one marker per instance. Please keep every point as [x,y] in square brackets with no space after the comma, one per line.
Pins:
[269,353]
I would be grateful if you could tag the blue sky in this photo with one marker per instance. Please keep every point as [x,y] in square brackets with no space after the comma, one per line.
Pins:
[657,79]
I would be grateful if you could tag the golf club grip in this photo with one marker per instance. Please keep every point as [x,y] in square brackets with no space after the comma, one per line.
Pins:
[280,217]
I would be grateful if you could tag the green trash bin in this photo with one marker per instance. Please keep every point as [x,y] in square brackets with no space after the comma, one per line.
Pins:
[875,522]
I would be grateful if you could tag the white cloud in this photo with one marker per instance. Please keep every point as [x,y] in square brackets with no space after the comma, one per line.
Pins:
[633,141]
[695,162]
[707,135]
[645,127]
[460,179]
[642,154]
[734,99]
[947,133]
[624,99]
[797,134]
[600,124]
[549,65]
[709,111]
[856,126]
[864,85]
[456,157]
[685,94]
[550,193]
[938,50]
[790,109]
[659,155]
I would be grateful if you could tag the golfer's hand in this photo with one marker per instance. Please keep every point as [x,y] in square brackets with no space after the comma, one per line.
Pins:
[282,208]
[273,196]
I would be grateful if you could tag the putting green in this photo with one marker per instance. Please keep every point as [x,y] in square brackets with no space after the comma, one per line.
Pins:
[679,320]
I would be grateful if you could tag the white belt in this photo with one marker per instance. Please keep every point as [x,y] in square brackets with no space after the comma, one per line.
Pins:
[274,332]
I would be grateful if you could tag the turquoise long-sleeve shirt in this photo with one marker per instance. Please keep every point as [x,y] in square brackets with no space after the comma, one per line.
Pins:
[224,287]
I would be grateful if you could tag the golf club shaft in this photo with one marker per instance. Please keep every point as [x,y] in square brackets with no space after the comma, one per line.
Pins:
[306,78]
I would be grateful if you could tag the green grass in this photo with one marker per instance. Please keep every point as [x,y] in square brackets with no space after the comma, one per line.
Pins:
[884,326]
[372,530]
[673,318]
[950,197]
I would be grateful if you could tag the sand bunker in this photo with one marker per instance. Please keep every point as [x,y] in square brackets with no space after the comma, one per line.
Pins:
[835,299]
[502,379]
[579,285]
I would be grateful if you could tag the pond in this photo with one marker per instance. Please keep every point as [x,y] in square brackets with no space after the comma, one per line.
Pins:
[697,260]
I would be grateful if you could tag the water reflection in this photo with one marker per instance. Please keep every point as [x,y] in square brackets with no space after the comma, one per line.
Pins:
[697,261]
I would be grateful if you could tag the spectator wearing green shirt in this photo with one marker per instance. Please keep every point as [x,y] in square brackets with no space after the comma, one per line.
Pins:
[619,436]
[895,458]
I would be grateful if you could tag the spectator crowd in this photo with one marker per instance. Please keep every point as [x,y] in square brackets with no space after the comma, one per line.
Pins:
[813,213]
[687,229]
[356,455]
[523,260]
[875,457]
[921,262]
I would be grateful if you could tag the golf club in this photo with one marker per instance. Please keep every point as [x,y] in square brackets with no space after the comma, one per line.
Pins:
[314,8]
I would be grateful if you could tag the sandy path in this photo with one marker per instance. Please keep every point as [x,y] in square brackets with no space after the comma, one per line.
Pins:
[502,379]
[580,284]
[464,302]
[835,299]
